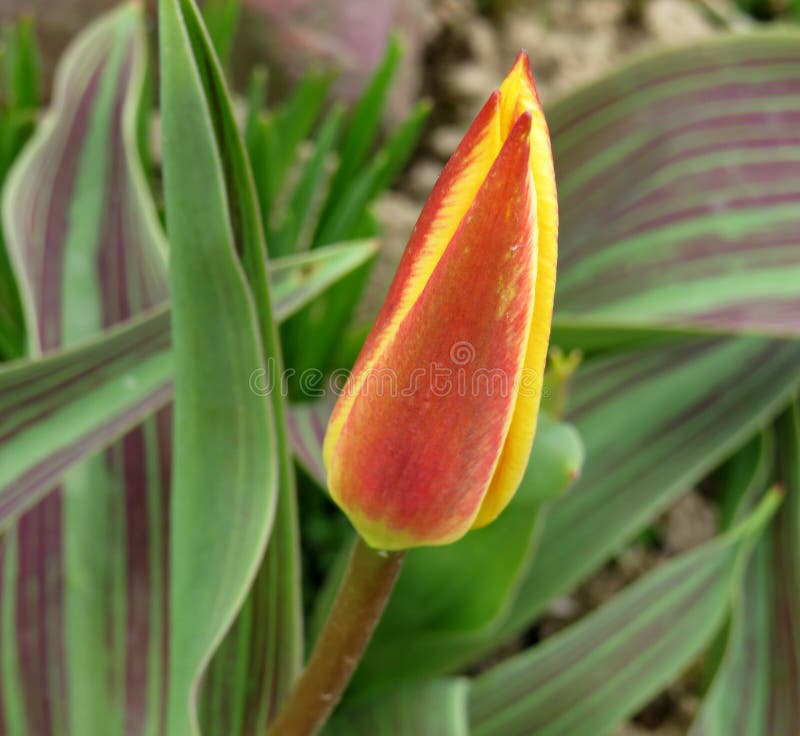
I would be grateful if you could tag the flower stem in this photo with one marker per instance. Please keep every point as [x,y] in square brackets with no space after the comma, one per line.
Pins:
[362,596]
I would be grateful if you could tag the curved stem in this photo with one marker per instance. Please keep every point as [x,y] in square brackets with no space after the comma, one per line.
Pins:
[362,596]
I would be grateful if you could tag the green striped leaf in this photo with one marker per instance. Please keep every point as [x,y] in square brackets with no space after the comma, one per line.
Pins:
[297,280]
[756,691]
[679,185]
[683,408]
[434,708]
[112,383]
[587,679]
[307,425]
[100,390]
[84,631]
[227,454]
[262,648]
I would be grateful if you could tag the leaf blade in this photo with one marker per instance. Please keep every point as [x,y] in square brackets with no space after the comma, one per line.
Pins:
[434,708]
[225,484]
[586,679]
[691,405]
[677,181]
[141,345]
[755,690]
[77,204]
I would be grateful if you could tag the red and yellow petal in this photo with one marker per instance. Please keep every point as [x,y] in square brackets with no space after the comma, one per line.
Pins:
[518,94]
[443,212]
[410,461]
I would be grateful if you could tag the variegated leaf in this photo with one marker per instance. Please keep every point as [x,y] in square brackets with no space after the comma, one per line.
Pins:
[679,186]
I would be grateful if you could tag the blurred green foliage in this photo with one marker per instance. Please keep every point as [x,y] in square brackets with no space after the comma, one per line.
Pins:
[19,107]
[766,10]
[318,169]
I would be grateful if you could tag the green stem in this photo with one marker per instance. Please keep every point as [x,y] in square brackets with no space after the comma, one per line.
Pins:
[362,596]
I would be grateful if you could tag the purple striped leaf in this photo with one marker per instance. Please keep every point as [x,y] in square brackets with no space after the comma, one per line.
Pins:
[685,408]
[307,424]
[587,679]
[756,690]
[80,224]
[84,572]
[122,377]
[679,188]
[100,391]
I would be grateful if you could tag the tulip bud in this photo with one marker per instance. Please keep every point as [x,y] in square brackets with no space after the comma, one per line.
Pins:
[432,432]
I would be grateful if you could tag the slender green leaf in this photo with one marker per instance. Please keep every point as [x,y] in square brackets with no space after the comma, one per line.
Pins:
[263,646]
[226,471]
[587,679]
[21,65]
[19,89]
[364,125]
[434,708]
[784,567]
[744,479]
[374,178]
[756,691]
[297,280]
[295,230]
[12,321]
[296,117]
[222,20]
[679,184]
[274,142]
[329,316]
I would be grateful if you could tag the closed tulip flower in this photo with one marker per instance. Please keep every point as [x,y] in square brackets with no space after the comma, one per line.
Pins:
[432,433]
